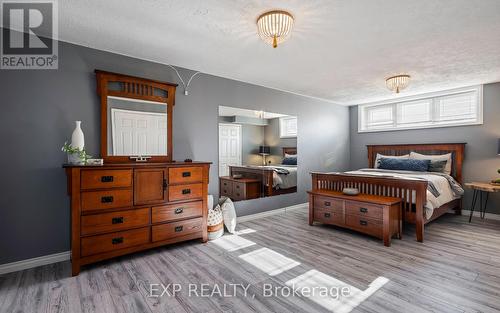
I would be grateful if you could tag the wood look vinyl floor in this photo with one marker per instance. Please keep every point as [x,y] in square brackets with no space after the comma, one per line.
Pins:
[456,269]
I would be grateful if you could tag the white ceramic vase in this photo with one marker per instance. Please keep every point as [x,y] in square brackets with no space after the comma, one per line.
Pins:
[77,138]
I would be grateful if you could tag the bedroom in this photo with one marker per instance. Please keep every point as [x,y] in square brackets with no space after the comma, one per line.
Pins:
[114,237]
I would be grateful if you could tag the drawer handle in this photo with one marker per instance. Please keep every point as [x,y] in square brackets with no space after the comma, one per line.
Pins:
[327,214]
[186,191]
[237,186]
[364,223]
[238,194]
[117,241]
[179,210]
[178,229]
[117,220]
[107,199]
[363,210]
[106,179]
[327,203]
[186,174]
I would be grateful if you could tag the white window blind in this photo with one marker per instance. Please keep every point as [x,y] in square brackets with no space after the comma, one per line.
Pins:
[288,126]
[451,108]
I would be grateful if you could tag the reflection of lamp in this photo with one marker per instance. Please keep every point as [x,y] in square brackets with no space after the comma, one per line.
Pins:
[264,150]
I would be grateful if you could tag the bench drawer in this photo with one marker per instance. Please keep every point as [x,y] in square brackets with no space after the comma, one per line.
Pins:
[168,213]
[115,221]
[326,203]
[106,199]
[176,229]
[99,179]
[183,175]
[185,192]
[364,209]
[329,217]
[365,225]
[114,241]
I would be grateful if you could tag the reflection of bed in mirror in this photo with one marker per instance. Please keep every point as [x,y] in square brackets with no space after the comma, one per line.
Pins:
[275,179]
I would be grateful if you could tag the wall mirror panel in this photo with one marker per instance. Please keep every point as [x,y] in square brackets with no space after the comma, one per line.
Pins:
[136,118]
[257,153]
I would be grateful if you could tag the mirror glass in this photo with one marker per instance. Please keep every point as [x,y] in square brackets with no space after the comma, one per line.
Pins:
[136,127]
[257,153]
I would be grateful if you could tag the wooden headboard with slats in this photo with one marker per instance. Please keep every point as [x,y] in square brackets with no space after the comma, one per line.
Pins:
[457,151]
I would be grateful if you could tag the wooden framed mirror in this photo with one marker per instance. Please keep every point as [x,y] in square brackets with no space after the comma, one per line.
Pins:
[136,118]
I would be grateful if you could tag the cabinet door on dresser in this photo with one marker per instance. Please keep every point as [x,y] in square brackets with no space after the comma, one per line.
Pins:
[150,186]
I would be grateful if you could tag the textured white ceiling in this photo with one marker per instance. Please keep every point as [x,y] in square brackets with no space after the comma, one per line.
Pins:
[339,50]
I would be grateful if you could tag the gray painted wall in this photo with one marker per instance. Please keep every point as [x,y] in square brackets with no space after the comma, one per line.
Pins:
[39,108]
[481,159]
[272,138]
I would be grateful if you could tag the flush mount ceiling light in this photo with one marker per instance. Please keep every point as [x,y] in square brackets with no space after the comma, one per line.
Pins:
[275,26]
[397,83]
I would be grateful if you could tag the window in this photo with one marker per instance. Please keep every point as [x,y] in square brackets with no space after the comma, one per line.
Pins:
[450,108]
[288,127]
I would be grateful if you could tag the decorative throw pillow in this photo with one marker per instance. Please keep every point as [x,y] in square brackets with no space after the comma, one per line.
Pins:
[289,161]
[442,157]
[404,164]
[290,155]
[215,223]
[437,166]
[228,213]
[379,156]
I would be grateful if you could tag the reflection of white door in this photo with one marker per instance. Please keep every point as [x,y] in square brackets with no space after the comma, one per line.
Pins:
[229,147]
[139,133]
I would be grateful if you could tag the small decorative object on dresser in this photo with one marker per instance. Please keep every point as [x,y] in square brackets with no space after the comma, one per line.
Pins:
[123,206]
[378,216]
[77,137]
[350,191]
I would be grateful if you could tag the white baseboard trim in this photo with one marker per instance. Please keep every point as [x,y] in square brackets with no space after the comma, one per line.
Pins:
[245,218]
[489,216]
[34,262]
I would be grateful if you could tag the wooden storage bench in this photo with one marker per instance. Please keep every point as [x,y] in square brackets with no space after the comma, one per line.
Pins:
[377,216]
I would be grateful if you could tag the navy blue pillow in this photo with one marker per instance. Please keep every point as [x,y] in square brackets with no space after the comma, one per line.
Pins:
[289,161]
[404,164]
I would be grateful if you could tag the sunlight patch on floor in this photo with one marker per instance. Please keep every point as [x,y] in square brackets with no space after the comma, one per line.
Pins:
[333,300]
[233,242]
[244,231]
[269,261]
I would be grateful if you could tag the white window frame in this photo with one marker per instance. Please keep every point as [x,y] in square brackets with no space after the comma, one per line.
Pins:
[280,127]
[433,97]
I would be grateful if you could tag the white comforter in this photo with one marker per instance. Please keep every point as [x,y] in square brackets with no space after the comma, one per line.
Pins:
[284,181]
[440,182]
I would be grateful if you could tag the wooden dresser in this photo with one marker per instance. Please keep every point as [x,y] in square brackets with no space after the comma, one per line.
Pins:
[118,209]
[377,216]
[240,188]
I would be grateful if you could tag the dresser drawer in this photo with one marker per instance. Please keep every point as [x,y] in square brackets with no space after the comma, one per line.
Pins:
[364,209]
[183,175]
[366,225]
[185,192]
[98,179]
[176,229]
[114,241]
[106,199]
[115,221]
[329,217]
[325,203]
[167,213]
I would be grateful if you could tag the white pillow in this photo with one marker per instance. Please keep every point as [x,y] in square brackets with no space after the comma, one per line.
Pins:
[442,157]
[290,155]
[229,214]
[379,156]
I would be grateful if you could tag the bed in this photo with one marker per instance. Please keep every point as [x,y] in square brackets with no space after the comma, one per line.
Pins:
[273,182]
[414,190]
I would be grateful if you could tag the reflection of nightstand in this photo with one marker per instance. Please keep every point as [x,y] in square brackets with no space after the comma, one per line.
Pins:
[239,189]
[480,189]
